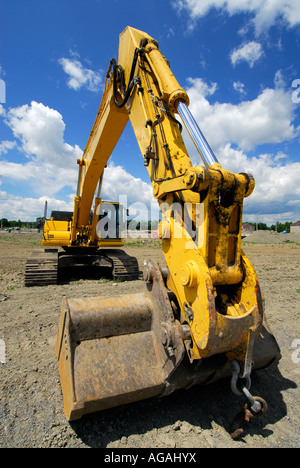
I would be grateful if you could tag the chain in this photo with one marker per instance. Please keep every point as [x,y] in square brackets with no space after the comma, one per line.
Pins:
[254,407]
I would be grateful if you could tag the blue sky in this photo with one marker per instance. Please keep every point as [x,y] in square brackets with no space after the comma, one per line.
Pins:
[239,62]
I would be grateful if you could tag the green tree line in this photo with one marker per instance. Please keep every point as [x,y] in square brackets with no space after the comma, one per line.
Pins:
[4,223]
[279,227]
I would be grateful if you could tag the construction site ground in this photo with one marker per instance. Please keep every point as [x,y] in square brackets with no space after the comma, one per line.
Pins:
[31,407]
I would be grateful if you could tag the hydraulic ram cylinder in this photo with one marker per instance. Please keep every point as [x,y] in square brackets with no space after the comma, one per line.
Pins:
[196,135]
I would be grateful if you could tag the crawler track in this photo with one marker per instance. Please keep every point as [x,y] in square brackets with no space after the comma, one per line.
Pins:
[41,268]
[125,267]
[43,265]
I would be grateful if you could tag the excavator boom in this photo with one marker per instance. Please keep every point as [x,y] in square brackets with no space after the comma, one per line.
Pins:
[205,306]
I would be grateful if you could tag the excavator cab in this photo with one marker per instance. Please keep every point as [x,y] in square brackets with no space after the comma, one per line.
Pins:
[105,227]
[200,317]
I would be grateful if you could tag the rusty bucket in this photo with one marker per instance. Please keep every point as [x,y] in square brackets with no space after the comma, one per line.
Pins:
[113,351]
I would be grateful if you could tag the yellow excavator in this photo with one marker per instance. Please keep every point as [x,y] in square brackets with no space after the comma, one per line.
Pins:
[200,316]
[70,244]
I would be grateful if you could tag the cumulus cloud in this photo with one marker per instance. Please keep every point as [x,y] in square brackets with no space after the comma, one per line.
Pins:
[118,185]
[117,182]
[266,119]
[135,194]
[79,76]
[276,184]
[40,130]
[250,53]
[39,178]
[50,163]
[264,13]
[29,208]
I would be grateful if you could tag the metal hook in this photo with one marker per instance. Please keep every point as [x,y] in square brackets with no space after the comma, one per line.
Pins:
[235,375]
[254,408]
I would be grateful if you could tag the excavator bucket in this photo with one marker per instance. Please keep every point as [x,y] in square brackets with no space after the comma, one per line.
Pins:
[114,351]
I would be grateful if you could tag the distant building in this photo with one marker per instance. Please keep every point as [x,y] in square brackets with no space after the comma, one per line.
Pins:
[295,227]
[248,227]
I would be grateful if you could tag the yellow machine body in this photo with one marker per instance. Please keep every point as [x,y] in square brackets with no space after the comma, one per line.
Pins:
[56,233]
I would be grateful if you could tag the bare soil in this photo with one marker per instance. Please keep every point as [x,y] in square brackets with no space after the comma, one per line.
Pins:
[31,408]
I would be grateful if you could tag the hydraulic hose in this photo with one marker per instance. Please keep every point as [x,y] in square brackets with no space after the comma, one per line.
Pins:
[118,70]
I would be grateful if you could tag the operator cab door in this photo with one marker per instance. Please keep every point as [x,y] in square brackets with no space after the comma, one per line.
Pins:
[110,221]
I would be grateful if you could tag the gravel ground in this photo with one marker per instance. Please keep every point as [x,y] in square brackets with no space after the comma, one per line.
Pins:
[31,410]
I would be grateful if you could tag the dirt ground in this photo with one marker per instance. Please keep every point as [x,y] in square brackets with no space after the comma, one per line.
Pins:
[31,408]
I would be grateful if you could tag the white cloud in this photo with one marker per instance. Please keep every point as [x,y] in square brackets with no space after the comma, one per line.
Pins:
[250,52]
[239,87]
[280,155]
[279,79]
[41,132]
[51,162]
[276,185]
[6,145]
[39,178]
[28,209]
[264,13]
[117,182]
[266,119]
[80,76]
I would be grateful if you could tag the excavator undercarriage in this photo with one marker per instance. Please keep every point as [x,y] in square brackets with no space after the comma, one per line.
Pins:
[97,246]
[47,266]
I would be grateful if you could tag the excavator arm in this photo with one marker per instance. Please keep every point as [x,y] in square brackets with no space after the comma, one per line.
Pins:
[206,305]
[107,129]
[201,206]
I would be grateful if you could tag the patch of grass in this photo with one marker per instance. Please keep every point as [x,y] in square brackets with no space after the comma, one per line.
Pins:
[298,290]
[21,238]
[118,280]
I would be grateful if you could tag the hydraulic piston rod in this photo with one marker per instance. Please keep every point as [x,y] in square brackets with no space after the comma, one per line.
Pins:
[196,135]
